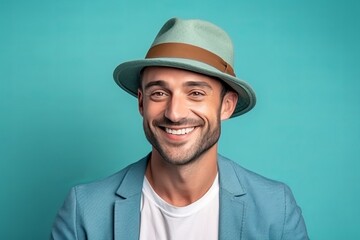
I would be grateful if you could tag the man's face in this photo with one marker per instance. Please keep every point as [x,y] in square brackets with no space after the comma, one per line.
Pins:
[181,112]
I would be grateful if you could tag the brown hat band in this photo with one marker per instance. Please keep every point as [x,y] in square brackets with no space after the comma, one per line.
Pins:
[187,51]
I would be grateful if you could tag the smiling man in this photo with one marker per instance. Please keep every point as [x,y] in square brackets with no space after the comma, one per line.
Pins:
[181,112]
[183,189]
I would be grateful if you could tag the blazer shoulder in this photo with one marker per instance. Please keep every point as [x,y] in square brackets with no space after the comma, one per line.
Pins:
[109,185]
[248,178]
[270,204]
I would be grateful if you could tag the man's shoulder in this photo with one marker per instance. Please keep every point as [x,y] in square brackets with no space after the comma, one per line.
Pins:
[110,184]
[270,204]
[250,181]
[260,194]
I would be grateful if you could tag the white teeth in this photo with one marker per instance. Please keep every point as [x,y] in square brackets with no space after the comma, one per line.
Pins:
[179,131]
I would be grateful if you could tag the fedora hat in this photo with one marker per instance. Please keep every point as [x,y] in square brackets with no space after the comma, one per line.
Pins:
[192,45]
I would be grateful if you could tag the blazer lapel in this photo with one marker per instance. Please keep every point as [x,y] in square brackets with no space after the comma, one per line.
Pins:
[127,219]
[127,208]
[232,205]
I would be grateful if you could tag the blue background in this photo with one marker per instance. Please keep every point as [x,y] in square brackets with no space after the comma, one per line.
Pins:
[64,121]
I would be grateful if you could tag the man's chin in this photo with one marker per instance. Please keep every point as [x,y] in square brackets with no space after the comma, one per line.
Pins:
[180,158]
[178,162]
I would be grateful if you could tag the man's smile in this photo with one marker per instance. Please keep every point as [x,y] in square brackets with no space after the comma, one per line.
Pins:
[181,131]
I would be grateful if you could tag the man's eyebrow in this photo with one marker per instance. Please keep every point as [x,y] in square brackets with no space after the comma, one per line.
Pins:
[159,83]
[197,84]
[162,83]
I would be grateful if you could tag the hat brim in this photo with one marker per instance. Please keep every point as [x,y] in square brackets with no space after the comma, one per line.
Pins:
[127,76]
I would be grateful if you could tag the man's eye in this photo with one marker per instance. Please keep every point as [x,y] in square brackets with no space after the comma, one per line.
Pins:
[158,95]
[197,94]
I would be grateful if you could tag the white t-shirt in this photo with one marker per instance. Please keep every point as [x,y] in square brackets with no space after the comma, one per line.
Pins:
[163,221]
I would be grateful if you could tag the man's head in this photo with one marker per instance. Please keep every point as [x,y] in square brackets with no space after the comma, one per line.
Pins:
[194,45]
[182,111]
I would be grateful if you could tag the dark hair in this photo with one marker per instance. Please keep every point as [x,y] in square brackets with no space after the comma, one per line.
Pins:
[225,88]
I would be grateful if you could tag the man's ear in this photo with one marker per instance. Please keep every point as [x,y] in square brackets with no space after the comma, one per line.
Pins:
[140,97]
[228,104]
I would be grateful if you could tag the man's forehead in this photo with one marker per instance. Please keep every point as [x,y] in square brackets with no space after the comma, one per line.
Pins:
[163,69]
[156,73]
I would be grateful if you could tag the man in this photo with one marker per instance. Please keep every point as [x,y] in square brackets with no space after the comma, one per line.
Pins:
[183,189]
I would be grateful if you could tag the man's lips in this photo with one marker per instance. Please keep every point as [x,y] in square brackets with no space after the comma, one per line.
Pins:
[179,131]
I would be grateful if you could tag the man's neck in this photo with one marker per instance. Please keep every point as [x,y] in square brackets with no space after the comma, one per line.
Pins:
[181,185]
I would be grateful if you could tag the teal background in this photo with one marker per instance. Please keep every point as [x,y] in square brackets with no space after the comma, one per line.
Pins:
[63,120]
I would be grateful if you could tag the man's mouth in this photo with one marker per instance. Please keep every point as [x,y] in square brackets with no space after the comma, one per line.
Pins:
[181,131]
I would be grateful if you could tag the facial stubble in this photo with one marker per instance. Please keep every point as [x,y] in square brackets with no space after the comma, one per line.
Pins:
[205,142]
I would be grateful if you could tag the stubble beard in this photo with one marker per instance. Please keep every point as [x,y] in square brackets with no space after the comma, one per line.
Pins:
[204,143]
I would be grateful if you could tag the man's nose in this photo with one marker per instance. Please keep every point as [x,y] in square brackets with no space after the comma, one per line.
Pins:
[176,109]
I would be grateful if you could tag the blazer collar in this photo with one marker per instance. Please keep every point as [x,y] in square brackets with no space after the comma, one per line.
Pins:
[133,180]
[229,180]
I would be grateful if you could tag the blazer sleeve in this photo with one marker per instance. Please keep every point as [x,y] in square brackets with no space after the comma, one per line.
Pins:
[65,224]
[294,226]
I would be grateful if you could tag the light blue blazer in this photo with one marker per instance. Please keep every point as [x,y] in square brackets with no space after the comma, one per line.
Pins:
[251,207]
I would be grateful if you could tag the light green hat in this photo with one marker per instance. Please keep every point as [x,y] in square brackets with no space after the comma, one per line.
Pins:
[193,45]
